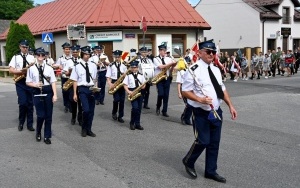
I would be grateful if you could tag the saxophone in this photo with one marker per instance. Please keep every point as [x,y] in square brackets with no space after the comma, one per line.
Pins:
[136,93]
[68,84]
[162,75]
[119,83]
[18,77]
[127,64]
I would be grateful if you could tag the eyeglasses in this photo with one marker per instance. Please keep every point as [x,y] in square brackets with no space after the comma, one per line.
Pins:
[210,51]
[24,47]
[40,55]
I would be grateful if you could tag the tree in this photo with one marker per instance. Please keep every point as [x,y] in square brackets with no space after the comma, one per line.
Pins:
[17,32]
[13,9]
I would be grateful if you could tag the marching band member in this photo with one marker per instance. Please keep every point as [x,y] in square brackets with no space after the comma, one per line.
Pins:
[114,72]
[145,60]
[163,87]
[61,63]
[235,67]
[187,113]
[83,75]
[48,59]
[274,60]
[278,54]
[31,51]
[68,70]
[131,82]
[103,62]
[259,66]
[206,128]
[24,93]
[150,55]
[42,79]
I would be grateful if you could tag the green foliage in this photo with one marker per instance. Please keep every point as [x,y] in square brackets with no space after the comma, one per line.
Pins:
[13,9]
[16,33]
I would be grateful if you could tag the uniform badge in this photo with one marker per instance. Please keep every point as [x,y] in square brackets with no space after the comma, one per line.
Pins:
[194,67]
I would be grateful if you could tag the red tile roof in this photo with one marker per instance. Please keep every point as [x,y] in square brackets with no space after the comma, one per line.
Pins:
[56,15]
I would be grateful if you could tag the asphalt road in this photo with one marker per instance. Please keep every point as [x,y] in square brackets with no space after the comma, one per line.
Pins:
[260,149]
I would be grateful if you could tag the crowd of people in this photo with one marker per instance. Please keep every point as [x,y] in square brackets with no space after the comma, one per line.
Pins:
[261,65]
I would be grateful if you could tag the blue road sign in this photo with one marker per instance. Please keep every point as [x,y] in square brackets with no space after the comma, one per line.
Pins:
[47,38]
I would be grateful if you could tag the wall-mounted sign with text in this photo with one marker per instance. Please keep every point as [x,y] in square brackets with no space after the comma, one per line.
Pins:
[105,36]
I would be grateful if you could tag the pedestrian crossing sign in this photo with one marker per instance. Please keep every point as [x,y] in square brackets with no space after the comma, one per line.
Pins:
[47,38]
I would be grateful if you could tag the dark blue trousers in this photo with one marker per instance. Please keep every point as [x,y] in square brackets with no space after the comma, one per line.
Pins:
[44,110]
[188,110]
[146,93]
[88,107]
[163,90]
[65,94]
[208,135]
[136,110]
[25,103]
[74,105]
[101,84]
[118,103]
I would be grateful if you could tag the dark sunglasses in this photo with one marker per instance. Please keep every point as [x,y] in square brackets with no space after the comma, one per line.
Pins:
[210,51]
[24,46]
[41,54]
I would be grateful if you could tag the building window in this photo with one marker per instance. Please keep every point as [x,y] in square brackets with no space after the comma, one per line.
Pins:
[149,42]
[286,19]
[178,40]
[271,44]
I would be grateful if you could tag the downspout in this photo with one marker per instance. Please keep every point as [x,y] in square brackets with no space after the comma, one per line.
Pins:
[263,35]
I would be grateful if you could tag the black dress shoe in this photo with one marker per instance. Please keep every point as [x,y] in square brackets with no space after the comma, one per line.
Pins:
[38,137]
[121,120]
[90,133]
[66,110]
[182,120]
[132,127]
[83,133]
[139,127]
[114,116]
[146,107]
[216,177]
[97,102]
[190,171]
[165,114]
[73,121]
[47,141]
[30,128]
[157,111]
[20,127]
[102,103]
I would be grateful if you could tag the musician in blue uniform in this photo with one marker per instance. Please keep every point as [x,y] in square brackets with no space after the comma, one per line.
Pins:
[162,62]
[42,79]
[145,60]
[102,62]
[204,89]
[83,74]
[131,82]
[114,71]
[18,66]
[68,70]
[61,63]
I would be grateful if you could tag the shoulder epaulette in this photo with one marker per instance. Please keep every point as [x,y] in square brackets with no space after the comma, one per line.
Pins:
[194,67]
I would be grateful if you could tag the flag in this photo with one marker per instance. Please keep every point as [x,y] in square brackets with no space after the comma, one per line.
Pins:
[124,55]
[195,49]
[217,59]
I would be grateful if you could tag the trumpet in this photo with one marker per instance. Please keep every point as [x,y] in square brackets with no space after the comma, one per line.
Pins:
[18,77]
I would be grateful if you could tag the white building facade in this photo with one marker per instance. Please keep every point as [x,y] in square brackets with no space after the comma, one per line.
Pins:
[264,24]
